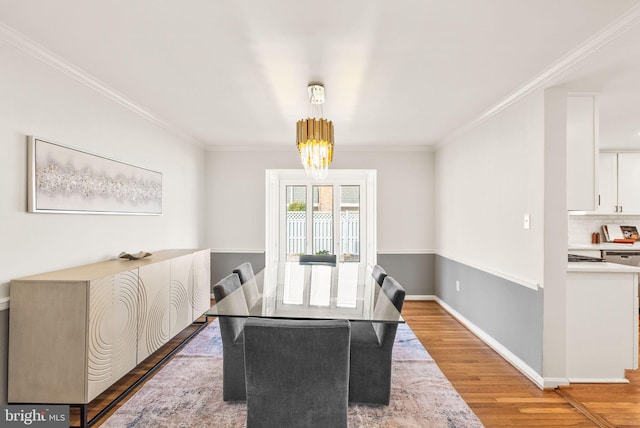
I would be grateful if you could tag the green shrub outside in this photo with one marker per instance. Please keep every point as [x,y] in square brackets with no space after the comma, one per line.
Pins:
[297,206]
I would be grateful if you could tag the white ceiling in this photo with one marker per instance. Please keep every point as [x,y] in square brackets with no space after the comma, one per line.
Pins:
[233,73]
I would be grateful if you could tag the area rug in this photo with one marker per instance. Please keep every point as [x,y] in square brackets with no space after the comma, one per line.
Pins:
[187,392]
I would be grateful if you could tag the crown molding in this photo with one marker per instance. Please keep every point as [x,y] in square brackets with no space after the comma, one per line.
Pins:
[251,148]
[30,47]
[388,148]
[287,148]
[564,64]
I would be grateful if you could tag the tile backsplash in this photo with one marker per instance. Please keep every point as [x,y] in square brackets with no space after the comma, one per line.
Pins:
[582,226]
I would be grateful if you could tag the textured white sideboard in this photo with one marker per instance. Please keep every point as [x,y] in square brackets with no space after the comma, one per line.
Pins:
[75,332]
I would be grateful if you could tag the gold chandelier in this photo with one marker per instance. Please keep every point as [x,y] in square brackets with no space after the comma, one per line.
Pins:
[315,137]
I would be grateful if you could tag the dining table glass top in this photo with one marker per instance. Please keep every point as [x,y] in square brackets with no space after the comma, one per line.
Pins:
[310,291]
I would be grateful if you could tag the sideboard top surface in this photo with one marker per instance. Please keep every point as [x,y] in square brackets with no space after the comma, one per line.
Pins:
[105,268]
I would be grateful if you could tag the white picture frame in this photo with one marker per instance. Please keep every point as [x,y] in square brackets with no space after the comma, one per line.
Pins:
[66,180]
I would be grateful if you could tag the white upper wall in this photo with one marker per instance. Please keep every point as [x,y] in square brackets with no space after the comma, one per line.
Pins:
[39,100]
[236,196]
[486,181]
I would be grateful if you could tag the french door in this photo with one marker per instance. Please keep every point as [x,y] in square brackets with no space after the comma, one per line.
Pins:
[333,216]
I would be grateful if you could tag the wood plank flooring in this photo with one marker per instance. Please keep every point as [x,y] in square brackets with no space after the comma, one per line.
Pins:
[498,393]
[503,397]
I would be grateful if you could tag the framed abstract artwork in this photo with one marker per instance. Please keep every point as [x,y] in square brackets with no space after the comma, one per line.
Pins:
[66,180]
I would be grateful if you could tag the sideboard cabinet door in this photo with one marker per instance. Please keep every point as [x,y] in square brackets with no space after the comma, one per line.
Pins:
[180,294]
[112,334]
[47,342]
[201,297]
[153,307]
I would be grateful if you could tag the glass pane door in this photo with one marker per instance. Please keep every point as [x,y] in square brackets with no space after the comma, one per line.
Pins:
[296,221]
[334,216]
[350,223]
[322,220]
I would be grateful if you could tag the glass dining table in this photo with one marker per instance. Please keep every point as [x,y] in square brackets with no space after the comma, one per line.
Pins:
[297,290]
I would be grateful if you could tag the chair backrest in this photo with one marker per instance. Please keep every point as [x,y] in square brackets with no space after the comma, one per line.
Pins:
[230,327]
[297,372]
[379,274]
[226,286]
[392,289]
[318,259]
[245,273]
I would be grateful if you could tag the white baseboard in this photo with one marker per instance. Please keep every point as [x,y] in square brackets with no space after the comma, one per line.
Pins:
[511,358]
[420,297]
[554,382]
[598,380]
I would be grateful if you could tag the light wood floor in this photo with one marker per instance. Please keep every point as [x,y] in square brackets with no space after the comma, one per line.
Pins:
[503,397]
[498,393]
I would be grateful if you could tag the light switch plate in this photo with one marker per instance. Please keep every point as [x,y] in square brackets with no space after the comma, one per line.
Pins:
[527,221]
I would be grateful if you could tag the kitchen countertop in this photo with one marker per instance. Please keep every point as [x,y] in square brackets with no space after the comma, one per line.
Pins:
[603,267]
[606,246]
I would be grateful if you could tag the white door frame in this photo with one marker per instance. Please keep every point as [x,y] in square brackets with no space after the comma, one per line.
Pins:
[275,179]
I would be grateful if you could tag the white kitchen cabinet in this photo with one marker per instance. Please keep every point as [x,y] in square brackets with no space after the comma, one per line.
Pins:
[619,188]
[608,186]
[602,325]
[582,151]
[629,183]
[75,332]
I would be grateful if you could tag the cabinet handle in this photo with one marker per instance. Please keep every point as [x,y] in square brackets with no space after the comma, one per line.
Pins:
[616,208]
[620,208]
[599,204]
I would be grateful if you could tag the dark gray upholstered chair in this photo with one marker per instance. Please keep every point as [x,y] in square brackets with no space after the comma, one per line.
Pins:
[371,348]
[379,274]
[318,259]
[245,273]
[233,384]
[297,372]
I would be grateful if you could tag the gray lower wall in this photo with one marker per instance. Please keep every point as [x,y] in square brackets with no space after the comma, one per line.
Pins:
[413,271]
[510,313]
[222,264]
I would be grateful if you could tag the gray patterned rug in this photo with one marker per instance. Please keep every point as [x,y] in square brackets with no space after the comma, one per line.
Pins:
[187,392]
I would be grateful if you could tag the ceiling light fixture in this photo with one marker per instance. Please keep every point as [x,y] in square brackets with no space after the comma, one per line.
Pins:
[315,136]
